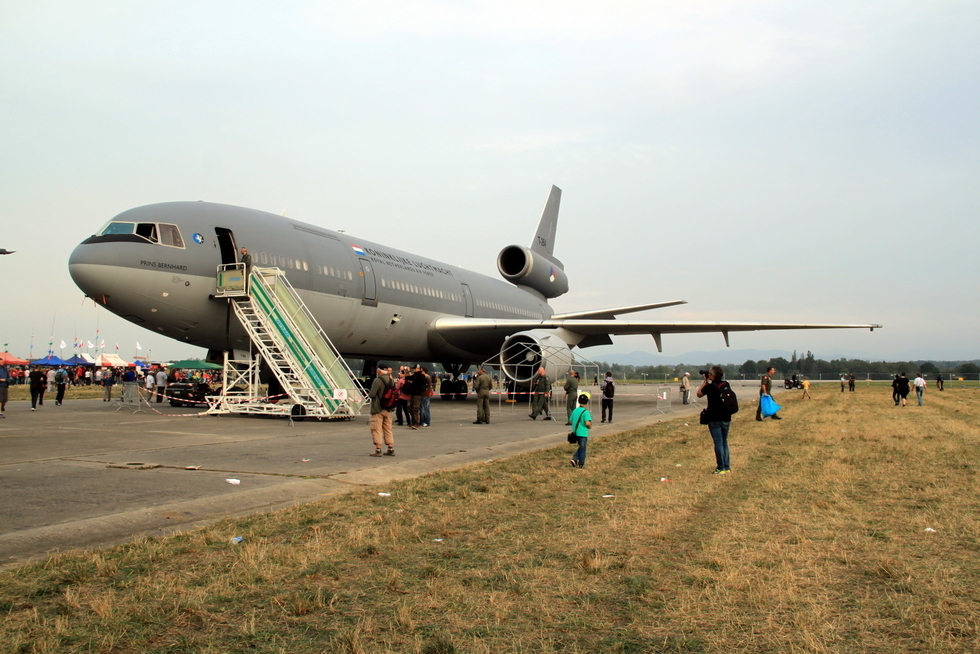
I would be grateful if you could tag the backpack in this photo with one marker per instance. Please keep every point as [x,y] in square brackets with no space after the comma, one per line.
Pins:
[59,377]
[608,389]
[728,397]
[389,399]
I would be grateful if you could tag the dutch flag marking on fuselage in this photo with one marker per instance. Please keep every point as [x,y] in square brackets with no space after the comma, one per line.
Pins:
[359,250]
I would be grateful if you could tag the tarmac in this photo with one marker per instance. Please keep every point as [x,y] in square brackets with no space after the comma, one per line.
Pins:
[91,474]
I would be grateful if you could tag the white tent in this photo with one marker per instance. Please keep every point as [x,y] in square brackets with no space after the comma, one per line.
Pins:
[113,360]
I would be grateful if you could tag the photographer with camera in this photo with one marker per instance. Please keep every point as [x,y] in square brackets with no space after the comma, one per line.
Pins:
[717,416]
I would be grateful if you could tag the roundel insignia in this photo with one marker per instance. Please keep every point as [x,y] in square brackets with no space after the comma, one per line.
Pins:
[551,276]
[198,238]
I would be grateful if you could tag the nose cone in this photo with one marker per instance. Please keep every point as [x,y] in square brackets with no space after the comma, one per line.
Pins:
[91,268]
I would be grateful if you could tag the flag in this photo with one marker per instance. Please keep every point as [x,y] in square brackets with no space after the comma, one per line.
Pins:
[138,346]
[90,344]
[63,344]
[102,344]
[117,346]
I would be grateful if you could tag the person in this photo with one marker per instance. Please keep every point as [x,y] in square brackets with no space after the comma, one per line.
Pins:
[425,412]
[381,417]
[843,382]
[571,395]
[581,424]
[901,386]
[247,260]
[482,385]
[415,384]
[39,383]
[4,383]
[895,396]
[608,390]
[765,389]
[161,381]
[541,387]
[686,388]
[806,389]
[920,388]
[61,384]
[851,382]
[939,381]
[108,381]
[717,416]
[403,412]
[150,383]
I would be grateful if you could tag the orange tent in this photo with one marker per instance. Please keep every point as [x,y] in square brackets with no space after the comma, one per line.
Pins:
[9,359]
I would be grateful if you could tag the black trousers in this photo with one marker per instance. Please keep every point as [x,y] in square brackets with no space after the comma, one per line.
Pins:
[607,403]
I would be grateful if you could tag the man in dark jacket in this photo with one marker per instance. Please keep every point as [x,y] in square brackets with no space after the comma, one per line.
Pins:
[717,417]
[380,416]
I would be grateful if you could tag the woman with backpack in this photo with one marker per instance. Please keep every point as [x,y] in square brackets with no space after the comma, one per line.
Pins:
[717,416]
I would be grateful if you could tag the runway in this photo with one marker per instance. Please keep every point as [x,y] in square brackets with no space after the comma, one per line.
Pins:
[88,475]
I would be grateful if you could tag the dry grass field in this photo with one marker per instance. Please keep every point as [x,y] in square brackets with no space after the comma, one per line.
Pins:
[850,526]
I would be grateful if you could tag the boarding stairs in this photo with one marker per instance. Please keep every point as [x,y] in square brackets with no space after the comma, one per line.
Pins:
[288,338]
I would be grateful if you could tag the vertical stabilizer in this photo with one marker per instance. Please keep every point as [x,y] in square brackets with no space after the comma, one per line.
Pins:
[544,238]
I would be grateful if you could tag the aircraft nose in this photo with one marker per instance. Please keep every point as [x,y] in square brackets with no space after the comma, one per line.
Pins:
[92,269]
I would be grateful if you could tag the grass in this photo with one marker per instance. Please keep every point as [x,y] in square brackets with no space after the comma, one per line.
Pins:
[816,543]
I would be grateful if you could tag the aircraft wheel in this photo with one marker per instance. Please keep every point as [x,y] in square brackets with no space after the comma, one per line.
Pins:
[298,412]
[446,389]
[461,389]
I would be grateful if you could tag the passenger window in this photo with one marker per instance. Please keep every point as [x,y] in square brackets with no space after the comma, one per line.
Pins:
[170,235]
[306,266]
[118,228]
[263,258]
[147,231]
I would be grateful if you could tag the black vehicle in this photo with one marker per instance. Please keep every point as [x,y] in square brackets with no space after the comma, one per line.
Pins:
[189,393]
[792,383]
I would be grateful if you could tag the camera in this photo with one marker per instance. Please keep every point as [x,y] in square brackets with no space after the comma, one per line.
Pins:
[703,373]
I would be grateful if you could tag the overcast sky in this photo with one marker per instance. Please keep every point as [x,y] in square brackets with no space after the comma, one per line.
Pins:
[776,161]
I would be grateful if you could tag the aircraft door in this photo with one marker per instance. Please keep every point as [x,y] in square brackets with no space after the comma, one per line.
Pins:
[468,299]
[370,296]
[226,243]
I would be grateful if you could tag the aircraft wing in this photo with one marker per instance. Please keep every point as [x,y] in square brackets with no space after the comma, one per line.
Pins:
[602,314]
[597,332]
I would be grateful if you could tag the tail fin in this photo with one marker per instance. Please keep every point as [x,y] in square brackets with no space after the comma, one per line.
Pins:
[544,238]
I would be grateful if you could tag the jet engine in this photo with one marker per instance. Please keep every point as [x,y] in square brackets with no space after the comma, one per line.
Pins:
[525,267]
[524,352]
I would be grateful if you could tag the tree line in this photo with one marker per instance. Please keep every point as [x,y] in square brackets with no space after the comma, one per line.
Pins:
[807,365]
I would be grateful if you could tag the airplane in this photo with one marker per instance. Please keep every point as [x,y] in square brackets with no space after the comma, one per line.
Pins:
[6,251]
[156,265]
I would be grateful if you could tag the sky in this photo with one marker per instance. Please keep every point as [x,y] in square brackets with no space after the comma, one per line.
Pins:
[765,161]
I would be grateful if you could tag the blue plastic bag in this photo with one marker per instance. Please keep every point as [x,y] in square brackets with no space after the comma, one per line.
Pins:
[769,406]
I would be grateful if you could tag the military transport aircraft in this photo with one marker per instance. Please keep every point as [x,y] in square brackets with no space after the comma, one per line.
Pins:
[156,266]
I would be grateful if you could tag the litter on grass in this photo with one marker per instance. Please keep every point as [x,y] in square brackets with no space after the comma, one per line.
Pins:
[385,494]
[437,540]
[609,496]
[930,529]
[236,540]
[234,482]
[192,467]
[664,479]
[304,460]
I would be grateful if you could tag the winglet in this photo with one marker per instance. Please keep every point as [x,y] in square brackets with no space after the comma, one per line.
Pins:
[544,238]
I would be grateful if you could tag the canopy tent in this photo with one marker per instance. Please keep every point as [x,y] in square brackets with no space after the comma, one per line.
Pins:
[111,360]
[191,364]
[142,365]
[50,360]
[9,359]
[79,360]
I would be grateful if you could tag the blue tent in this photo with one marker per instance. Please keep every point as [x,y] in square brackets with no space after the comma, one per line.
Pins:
[77,360]
[143,364]
[50,360]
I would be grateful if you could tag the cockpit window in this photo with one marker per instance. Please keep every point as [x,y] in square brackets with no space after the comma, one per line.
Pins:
[118,228]
[170,235]
[147,231]
[157,233]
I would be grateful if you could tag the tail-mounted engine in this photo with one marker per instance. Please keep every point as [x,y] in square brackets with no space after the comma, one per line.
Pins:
[524,267]
[524,352]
